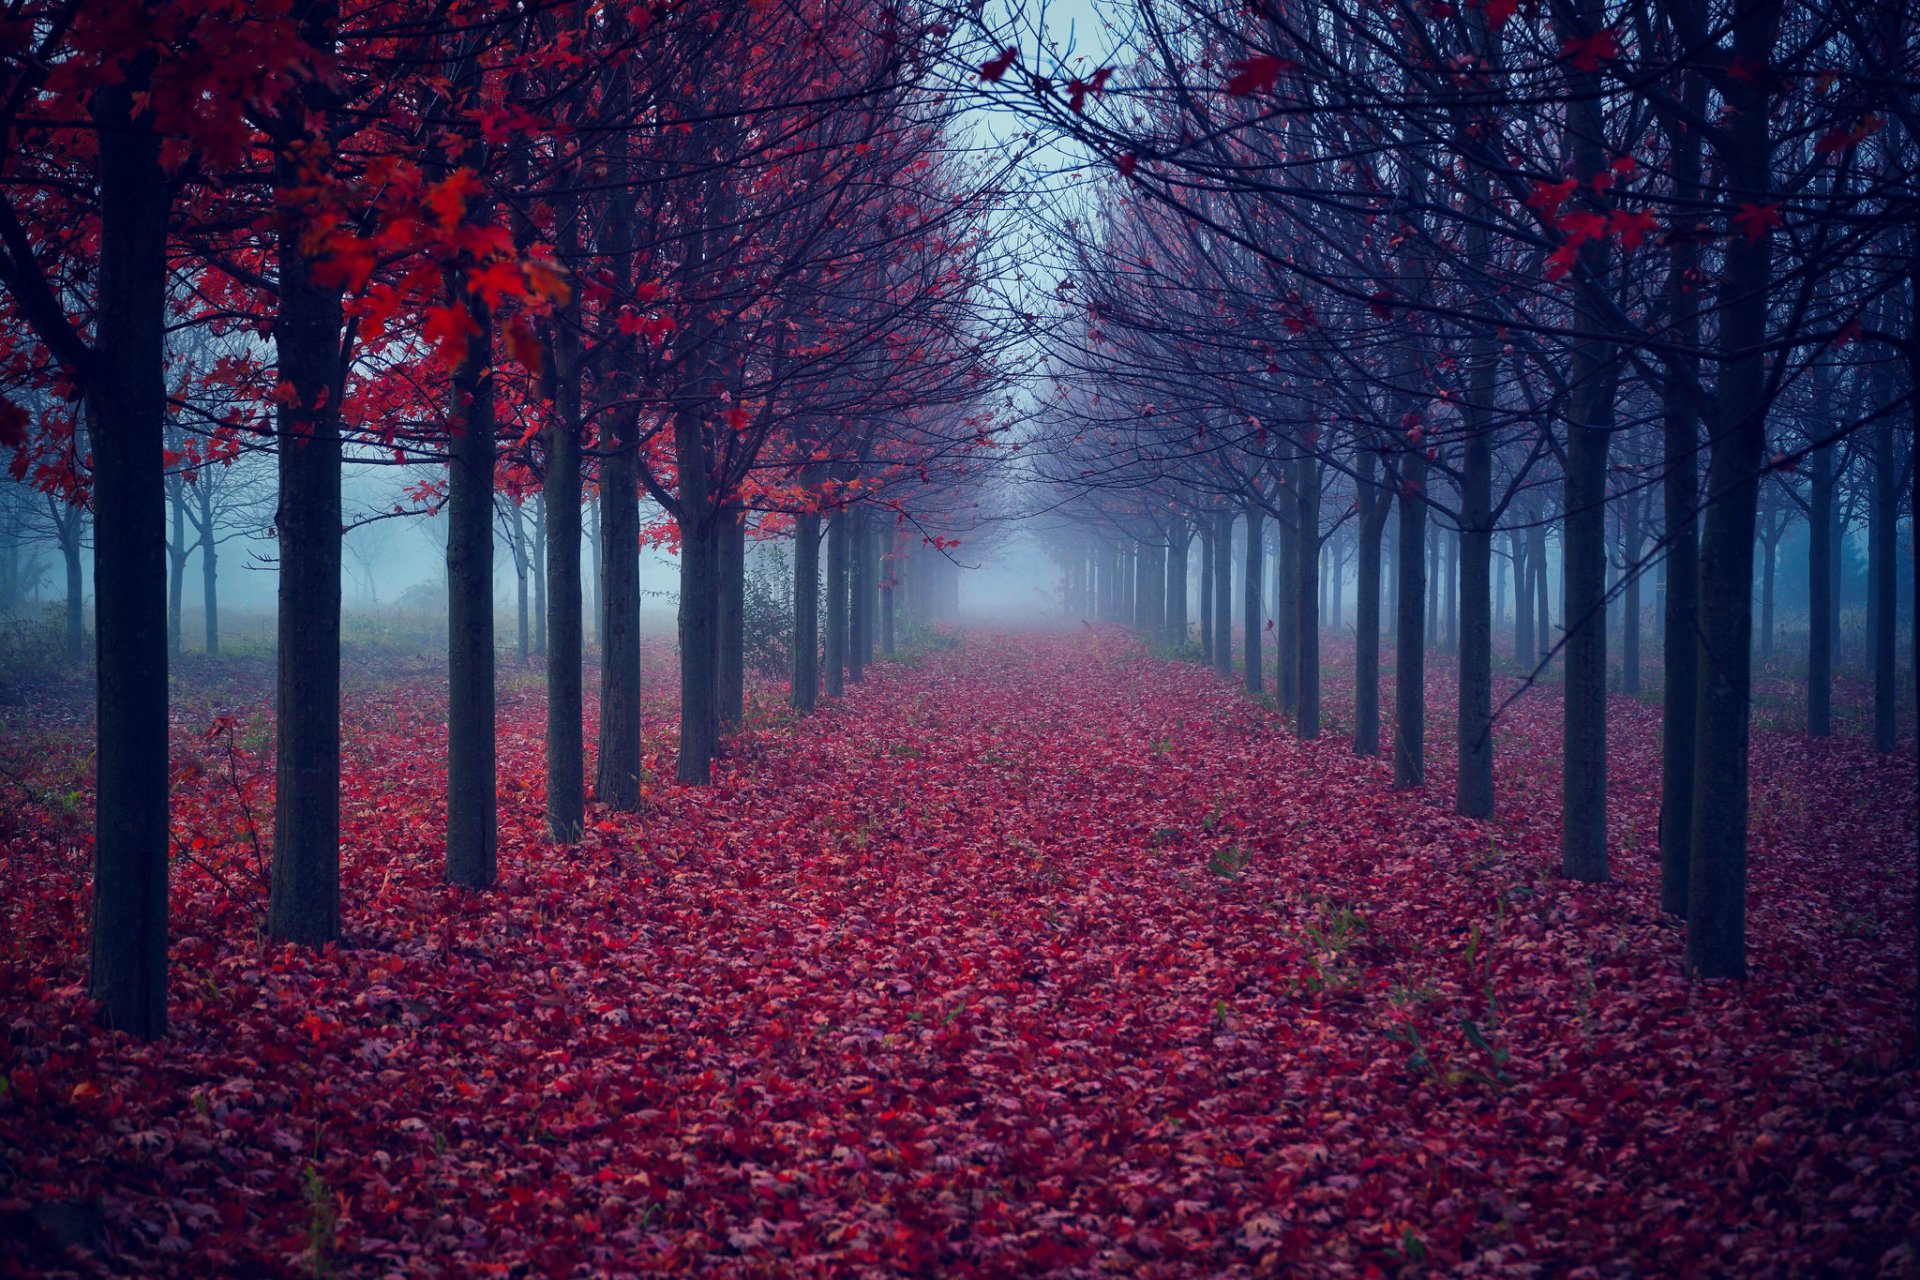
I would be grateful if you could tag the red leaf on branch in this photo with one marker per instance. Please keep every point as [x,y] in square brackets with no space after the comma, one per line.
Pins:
[1588,53]
[1499,11]
[1256,73]
[1632,227]
[1754,220]
[994,68]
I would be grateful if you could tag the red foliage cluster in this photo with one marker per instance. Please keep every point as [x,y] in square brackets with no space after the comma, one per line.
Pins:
[1041,955]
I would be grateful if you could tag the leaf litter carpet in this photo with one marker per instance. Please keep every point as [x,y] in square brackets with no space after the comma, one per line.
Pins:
[1040,955]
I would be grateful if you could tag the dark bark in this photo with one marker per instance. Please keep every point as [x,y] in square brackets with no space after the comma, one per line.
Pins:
[1306,614]
[1583,793]
[836,603]
[1592,373]
[1630,599]
[1287,583]
[731,655]
[617,772]
[210,579]
[1176,589]
[560,502]
[700,559]
[517,546]
[178,553]
[1523,646]
[1374,504]
[1473,630]
[1206,592]
[1253,618]
[1473,784]
[1883,519]
[1680,497]
[1542,616]
[1820,595]
[1771,546]
[472,826]
[1717,891]
[1223,592]
[304,905]
[539,558]
[1410,625]
[859,595]
[74,630]
[126,402]
[806,611]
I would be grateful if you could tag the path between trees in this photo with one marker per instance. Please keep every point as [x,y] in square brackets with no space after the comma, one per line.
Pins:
[1038,954]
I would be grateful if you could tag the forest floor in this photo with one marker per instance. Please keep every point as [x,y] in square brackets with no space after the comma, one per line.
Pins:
[1038,954]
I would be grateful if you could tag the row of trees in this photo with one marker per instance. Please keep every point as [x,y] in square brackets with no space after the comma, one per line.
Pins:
[1497,269]
[722,256]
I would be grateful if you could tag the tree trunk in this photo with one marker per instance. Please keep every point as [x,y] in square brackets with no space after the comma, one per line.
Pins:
[1772,546]
[472,828]
[1630,598]
[806,611]
[1410,626]
[177,553]
[1223,593]
[594,583]
[700,569]
[1176,591]
[1339,575]
[836,602]
[1206,591]
[731,654]
[1306,620]
[1523,647]
[889,588]
[1882,549]
[617,774]
[1820,602]
[1374,504]
[1592,371]
[859,595]
[1288,583]
[1473,785]
[126,400]
[210,578]
[1253,616]
[1717,892]
[539,564]
[517,545]
[1542,616]
[560,501]
[75,630]
[1435,572]
[304,905]
[1583,825]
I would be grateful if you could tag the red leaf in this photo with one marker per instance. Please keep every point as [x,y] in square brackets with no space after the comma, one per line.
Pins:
[1126,164]
[1587,53]
[994,68]
[1499,11]
[1632,226]
[1754,220]
[1256,73]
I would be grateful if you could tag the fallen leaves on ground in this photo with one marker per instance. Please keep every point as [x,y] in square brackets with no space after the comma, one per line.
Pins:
[1039,955]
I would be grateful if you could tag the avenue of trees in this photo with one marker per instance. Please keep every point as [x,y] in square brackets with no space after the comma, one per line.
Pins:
[721,262]
[1443,295]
